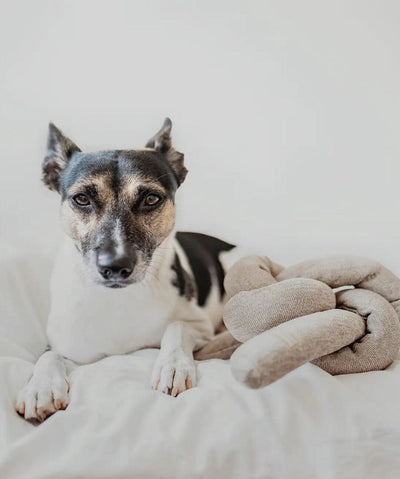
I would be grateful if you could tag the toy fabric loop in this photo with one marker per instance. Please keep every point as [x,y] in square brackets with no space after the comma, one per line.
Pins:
[337,271]
[249,313]
[378,347]
[288,316]
[277,351]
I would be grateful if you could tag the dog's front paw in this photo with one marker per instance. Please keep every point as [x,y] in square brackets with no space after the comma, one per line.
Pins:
[42,397]
[173,372]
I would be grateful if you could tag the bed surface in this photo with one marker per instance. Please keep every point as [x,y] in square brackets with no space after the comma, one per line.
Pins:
[307,425]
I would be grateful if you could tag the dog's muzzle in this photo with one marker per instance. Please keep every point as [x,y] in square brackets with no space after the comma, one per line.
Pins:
[115,268]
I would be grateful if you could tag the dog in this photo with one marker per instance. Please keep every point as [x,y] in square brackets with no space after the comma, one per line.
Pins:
[124,279]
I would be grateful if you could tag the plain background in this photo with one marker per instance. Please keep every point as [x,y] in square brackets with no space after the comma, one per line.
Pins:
[287,112]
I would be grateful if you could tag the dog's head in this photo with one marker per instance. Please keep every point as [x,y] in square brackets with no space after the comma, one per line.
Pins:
[117,206]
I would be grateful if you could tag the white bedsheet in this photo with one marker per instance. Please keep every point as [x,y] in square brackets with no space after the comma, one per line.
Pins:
[307,425]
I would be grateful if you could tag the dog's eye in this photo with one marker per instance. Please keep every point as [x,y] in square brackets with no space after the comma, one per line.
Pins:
[151,199]
[81,200]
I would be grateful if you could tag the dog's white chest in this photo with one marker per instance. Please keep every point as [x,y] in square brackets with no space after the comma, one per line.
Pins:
[88,322]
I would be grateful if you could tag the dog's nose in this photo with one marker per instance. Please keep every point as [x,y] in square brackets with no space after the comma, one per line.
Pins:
[115,268]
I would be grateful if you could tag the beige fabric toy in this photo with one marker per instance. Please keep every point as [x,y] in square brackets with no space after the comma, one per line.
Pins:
[288,316]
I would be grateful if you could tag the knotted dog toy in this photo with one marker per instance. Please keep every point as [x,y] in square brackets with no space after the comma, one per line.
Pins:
[286,317]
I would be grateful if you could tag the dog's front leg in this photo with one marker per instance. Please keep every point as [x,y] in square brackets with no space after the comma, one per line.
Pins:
[174,370]
[47,390]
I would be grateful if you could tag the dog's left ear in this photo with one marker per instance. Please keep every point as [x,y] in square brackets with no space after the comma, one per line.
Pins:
[59,151]
[161,142]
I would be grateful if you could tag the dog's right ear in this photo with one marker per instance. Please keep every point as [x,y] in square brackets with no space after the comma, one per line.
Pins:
[59,151]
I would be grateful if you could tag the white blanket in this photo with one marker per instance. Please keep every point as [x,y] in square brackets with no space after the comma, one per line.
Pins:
[307,425]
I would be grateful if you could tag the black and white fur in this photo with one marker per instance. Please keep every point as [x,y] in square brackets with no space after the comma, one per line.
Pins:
[124,279]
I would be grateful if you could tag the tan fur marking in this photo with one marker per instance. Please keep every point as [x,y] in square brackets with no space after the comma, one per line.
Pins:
[157,224]
[162,221]
[101,182]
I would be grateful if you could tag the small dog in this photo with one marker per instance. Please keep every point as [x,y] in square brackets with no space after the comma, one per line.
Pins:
[124,279]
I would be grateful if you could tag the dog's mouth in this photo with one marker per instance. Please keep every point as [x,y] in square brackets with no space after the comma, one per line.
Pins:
[116,284]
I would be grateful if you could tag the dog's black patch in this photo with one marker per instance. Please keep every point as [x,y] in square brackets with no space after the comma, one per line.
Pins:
[118,164]
[203,252]
[182,281]
[61,152]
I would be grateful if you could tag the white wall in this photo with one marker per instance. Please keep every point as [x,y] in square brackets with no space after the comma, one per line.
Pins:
[288,112]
